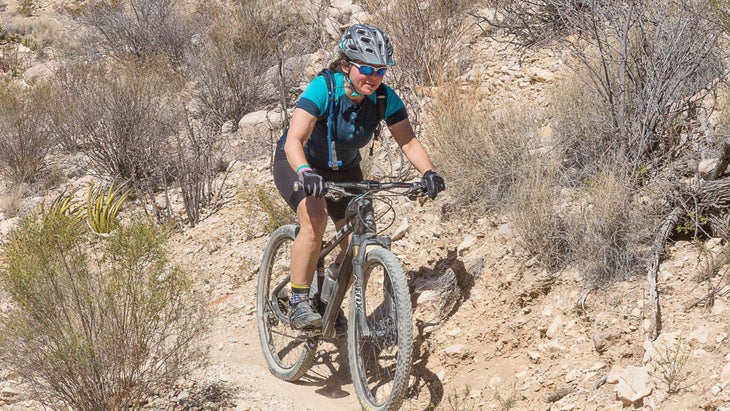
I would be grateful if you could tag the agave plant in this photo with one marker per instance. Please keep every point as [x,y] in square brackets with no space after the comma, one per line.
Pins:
[64,204]
[103,205]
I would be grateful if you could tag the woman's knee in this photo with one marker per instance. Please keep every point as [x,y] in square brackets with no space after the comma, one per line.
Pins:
[312,219]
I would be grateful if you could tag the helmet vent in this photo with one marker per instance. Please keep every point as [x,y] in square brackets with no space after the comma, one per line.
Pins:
[367,44]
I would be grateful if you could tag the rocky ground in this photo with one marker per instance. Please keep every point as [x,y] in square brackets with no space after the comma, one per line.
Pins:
[506,340]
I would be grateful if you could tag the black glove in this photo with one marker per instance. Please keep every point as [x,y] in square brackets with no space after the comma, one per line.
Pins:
[434,183]
[313,183]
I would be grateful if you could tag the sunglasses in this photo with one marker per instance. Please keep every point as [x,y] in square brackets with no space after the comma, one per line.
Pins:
[366,70]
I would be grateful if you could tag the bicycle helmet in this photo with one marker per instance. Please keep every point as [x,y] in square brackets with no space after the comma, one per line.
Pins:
[367,44]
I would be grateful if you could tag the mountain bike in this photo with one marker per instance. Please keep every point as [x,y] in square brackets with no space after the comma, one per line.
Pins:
[379,329]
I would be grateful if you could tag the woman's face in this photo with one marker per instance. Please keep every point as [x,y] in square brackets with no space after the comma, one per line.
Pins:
[363,83]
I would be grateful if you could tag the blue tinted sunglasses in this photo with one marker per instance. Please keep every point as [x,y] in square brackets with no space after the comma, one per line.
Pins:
[366,70]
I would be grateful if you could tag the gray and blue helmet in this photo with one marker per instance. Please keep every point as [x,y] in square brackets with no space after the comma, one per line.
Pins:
[368,44]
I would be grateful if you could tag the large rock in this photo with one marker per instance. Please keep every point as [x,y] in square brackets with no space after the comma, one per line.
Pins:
[39,72]
[259,125]
[633,385]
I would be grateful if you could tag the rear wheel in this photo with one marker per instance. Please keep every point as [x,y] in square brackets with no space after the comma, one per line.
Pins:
[289,353]
[380,362]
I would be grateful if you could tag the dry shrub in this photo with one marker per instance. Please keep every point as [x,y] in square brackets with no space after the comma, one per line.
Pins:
[98,322]
[131,124]
[198,161]
[615,207]
[481,153]
[622,48]
[582,131]
[25,140]
[12,64]
[609,230]
[141,29]
[239,65]
[427,36]
[668,356]
[536,216]
[122,118]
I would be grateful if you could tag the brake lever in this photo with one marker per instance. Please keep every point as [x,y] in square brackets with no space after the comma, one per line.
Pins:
[416,192]
[334,195]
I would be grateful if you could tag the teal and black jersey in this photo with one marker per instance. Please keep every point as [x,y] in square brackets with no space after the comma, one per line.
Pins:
[353,126]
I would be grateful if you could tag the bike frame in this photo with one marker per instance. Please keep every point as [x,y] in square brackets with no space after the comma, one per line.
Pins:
[361,224]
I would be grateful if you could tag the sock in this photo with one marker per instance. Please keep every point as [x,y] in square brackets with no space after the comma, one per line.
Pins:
[299,293]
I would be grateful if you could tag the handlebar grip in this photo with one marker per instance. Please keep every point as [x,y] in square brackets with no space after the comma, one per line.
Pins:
[298,186]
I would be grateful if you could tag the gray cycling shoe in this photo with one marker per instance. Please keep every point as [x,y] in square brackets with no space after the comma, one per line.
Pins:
[302,316]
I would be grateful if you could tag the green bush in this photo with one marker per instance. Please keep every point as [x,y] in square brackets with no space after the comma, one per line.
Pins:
[98,322]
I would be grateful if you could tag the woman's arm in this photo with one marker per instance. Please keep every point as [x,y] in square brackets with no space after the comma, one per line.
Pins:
[300,128]
[404,135]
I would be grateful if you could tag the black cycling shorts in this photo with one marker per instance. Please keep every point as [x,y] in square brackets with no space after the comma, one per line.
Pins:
[284,178]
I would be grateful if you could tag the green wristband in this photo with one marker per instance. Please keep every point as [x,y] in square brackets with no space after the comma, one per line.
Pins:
[303,166]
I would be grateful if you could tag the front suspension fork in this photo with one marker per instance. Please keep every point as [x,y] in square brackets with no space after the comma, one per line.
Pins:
[358,260]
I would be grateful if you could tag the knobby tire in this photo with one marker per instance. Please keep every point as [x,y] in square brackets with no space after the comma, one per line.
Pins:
[380,365]
[288,353]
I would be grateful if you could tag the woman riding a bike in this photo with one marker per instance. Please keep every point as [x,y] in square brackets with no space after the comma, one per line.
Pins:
[306,152]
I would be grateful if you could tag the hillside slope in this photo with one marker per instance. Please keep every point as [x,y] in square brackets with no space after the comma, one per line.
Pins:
[512,339]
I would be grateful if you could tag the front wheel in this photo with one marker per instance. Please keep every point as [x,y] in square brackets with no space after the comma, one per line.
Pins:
[288,353]
[380,362]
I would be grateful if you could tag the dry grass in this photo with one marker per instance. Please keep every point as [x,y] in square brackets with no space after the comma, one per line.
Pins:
[582,130]
[609,232]
[607,226]
[481,153]
[36,34]
[536,218]
[276,211]
[13,202]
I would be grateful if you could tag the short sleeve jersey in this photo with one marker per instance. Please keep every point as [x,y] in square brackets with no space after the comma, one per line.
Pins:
[353,125]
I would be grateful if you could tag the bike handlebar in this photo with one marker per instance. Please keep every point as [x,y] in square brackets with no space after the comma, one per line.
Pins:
[336,191]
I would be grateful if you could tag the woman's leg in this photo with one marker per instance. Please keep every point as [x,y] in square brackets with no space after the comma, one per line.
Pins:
[312,213]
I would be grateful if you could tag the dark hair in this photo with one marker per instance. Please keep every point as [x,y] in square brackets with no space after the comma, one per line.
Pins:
[335,65]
